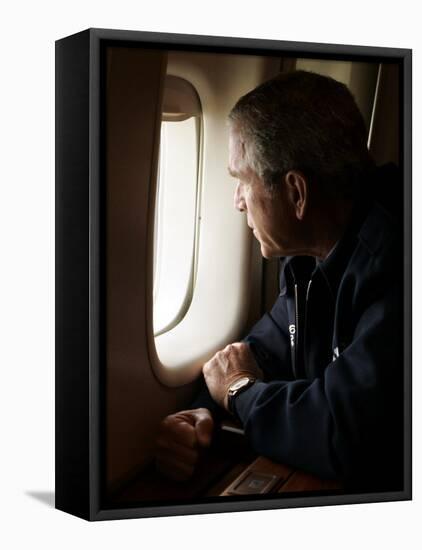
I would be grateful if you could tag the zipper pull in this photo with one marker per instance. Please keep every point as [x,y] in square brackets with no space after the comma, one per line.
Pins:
[292,332]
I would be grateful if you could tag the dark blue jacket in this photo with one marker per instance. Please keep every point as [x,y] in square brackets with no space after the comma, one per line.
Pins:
[331,350]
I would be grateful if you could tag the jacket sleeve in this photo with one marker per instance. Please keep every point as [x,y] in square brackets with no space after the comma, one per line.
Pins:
[340,424]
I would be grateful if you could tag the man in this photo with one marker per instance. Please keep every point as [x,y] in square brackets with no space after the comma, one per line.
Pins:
[317,383]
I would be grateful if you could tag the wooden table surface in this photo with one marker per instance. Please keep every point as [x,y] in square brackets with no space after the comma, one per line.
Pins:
[263,476]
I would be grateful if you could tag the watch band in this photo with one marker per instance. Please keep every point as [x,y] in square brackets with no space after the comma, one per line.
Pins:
[236,388]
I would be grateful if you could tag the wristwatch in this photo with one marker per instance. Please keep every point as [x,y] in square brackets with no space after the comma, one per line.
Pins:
[238,387]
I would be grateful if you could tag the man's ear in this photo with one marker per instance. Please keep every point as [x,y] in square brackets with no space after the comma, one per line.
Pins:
[297,190]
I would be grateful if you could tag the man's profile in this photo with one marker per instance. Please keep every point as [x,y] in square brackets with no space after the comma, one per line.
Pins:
[317,382]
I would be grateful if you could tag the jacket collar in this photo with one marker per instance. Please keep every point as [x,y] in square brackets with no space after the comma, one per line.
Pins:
[375,222]
[366,224]
[296,268]
[334,266]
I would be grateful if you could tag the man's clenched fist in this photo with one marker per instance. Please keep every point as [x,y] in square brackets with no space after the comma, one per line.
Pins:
[226,367]
[179,441]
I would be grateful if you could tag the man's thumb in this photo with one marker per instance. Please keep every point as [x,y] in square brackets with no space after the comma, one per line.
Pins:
[204,425]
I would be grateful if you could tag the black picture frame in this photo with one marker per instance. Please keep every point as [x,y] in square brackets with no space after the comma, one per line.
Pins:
[80,268]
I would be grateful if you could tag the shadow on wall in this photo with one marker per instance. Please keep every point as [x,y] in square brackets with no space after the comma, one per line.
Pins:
[46,497]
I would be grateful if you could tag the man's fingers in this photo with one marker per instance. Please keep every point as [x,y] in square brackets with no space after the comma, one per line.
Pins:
[180,431]
[170,447]
[177,446]
[204,426]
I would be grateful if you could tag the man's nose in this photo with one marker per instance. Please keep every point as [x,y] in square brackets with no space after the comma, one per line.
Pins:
[239,202]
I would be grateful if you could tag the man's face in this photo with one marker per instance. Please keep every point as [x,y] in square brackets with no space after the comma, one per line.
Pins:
[269,214]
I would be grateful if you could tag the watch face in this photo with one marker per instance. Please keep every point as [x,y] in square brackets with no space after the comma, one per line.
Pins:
[240,383]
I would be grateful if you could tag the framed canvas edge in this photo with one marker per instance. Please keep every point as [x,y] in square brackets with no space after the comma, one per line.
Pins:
[247,505]
[96,511]
[193,40]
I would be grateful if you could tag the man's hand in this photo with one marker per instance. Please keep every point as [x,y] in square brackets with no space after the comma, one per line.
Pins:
[179,441]
[228,365]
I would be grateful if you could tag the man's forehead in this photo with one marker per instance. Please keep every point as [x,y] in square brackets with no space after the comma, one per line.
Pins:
[235,141]
[233,173]
[237,167]
[236,154]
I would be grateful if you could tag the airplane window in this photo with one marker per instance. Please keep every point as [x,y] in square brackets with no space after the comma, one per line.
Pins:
[176,205]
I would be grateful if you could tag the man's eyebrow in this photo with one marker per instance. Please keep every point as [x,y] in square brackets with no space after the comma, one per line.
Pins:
[232,172]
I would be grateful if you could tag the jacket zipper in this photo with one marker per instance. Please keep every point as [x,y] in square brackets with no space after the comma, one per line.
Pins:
[295,335]
[305,324]
[301,305]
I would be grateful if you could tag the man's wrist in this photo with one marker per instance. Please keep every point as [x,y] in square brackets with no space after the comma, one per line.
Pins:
[236,388]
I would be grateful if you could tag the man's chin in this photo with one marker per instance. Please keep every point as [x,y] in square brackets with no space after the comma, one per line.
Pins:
[265,253]
[269,253]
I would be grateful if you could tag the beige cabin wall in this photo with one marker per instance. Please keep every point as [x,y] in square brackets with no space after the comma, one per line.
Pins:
[136,400]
